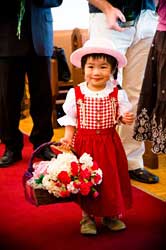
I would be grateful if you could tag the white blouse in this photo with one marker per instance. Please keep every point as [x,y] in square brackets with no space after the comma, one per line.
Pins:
[70,109]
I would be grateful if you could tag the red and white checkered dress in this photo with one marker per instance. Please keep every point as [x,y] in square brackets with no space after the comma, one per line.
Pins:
[96,135]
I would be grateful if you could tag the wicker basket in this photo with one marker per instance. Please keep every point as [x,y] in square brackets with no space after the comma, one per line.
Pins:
[42,197]
[39,197]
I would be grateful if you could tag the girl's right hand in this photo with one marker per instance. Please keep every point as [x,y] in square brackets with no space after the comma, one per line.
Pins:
[66,144]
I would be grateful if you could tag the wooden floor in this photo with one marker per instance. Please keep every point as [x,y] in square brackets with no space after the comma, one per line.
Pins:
[157,190]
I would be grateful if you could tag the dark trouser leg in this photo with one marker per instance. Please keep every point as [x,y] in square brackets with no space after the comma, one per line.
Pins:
[11,93]
[41,102]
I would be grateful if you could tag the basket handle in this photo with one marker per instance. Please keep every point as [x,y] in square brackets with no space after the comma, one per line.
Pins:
[35,152]
[38,149]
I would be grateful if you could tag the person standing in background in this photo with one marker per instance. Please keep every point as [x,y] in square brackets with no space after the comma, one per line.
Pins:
[26,45]
[126,23]
[151,113]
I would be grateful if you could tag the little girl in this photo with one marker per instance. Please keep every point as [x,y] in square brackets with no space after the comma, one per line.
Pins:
[93,109]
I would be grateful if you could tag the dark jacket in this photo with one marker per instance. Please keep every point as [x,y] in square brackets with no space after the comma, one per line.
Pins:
[36,28]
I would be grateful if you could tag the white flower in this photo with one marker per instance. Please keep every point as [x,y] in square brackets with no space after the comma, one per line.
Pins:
[71,188]
[86,160]
[50,186]
[61,163]
[46,182]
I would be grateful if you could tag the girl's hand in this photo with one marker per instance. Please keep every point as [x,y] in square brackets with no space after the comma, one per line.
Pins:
[128,118]
[68,136]
[66,144]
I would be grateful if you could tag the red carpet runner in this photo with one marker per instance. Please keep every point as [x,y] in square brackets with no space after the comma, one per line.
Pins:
[26,227]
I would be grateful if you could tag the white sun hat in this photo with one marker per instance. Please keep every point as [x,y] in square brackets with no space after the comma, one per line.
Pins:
[99,45]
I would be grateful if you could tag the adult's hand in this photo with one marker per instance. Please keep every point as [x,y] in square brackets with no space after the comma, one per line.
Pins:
[112,14]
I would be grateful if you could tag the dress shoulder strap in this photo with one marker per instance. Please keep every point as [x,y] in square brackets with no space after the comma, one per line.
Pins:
[78,93]
[114,93]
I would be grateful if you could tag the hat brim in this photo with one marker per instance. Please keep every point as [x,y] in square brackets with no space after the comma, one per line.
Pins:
[76,56]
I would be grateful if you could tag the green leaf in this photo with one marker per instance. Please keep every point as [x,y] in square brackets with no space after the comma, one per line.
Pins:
[39,181]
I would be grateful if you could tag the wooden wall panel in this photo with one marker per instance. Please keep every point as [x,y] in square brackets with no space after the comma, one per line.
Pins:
[70,40]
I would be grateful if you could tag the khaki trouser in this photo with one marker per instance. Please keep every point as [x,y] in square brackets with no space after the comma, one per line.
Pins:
[135,43]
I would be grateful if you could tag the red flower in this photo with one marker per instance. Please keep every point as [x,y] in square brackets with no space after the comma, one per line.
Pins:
[58,184]
[95,194]
[74,168]
[85,174]
[85,188]
[64,177]
[97,178]
[65,193]
[95,166]
[76,184]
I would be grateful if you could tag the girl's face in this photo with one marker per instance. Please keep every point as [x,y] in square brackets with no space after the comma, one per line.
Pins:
[96,73]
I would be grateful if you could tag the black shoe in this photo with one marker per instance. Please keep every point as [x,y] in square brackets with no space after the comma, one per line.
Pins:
[142,175]
[46,154]
[9,158]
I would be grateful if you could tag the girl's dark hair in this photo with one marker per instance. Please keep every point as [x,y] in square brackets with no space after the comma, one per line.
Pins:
[110,59]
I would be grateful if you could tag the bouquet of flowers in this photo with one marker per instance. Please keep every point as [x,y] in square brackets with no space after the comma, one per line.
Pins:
[67,175]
